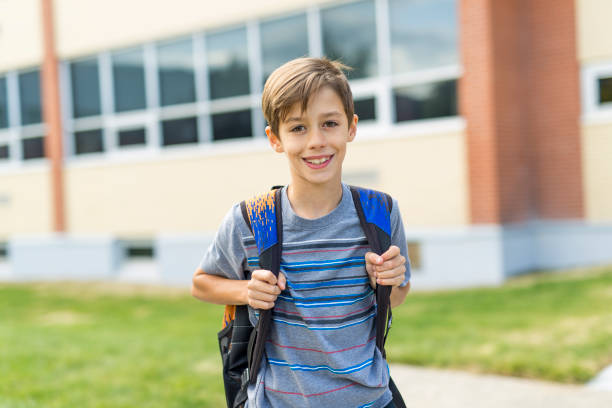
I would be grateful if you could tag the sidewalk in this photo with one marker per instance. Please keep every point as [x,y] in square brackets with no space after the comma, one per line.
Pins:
[433,388]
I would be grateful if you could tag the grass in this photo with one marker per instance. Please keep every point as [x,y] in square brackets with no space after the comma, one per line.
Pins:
[111,345]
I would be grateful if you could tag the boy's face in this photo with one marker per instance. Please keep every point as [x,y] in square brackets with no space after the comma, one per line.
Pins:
[315,140]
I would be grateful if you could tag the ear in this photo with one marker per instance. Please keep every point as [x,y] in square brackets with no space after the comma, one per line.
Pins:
[274,140]
[353,128]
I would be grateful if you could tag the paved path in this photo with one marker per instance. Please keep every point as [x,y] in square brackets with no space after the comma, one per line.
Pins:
[432,388]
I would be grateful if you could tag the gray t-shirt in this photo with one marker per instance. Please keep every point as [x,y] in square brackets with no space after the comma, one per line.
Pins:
[321,349]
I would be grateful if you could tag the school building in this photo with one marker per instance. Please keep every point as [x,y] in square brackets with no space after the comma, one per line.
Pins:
[129,128]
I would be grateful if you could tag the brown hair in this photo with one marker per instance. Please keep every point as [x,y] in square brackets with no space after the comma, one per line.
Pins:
[296,81]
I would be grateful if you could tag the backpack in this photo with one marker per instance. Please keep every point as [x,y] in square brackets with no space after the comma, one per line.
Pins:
[242,345]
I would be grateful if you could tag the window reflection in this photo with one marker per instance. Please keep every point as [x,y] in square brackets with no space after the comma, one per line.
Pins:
[231,125]
[281,41]
[132,137]
[179,131]
[29,97]
[423,34]
[89,141]
[365,109]
[4,152]
[434,100]
[605,90]
[3,104]
[176,77]
[33,148]
[129,80]
[349,34]
[228,69]
[85,88]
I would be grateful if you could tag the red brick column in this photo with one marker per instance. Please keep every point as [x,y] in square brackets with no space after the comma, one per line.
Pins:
[519,96]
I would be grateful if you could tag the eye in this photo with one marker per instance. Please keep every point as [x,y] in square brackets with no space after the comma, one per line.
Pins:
[330,123]
[298,129]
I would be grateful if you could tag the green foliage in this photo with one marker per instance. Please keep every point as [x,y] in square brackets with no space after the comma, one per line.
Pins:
[107,345]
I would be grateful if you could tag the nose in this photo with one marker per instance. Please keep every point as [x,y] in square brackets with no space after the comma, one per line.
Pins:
[317,139]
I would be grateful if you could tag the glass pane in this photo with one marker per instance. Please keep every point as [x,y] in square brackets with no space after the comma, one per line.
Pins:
[426,101]
[3,104]
[176,78]
[231,125]
[85,88]
[129,80]
[33,148]
[349,34]
[4,152]
[365,109]
[228,68]
[179,131]
[132,137]
[281,41]
[89,141]
[605,90]
[423,34]
[29,97]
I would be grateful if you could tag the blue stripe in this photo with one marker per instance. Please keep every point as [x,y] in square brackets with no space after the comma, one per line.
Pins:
[300,367]
[325,262]
[327,284]
[328,328]
[349,265]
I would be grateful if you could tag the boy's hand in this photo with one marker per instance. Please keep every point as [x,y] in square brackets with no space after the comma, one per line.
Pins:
[386,269]
[263,288]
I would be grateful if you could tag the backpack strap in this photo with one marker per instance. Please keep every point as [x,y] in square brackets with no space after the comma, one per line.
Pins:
[263,215]
[374,211]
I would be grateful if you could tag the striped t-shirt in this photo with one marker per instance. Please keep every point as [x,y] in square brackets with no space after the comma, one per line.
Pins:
[321,348]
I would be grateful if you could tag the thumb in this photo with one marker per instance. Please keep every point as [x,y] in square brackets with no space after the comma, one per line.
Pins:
[374,258]
[282,281]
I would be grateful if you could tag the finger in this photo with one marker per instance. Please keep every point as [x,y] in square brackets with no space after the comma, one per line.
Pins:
[393,251]
[391,273]
[263,287]
[264,275]
[392,281]
[391,264]
[282,281]
[373,258]
[261,296]
[258,304]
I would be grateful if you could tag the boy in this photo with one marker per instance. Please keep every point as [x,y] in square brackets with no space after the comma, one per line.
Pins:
[320,350]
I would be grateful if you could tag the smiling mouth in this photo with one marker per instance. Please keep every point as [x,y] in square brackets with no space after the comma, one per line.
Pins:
[318,162]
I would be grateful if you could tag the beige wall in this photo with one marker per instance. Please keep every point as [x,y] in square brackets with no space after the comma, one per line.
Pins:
[25,203]
[597,159]
[85,27]
[425,173]
[594,30]
[20,34]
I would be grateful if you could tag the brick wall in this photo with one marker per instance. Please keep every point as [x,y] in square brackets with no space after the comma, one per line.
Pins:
[520,97]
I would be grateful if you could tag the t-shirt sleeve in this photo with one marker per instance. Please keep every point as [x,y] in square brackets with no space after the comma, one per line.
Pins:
[398,237]
[226,256]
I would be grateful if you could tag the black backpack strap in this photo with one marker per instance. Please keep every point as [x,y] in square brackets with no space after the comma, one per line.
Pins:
[263,215]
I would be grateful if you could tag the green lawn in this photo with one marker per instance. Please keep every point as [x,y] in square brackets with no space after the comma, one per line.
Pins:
[111,345]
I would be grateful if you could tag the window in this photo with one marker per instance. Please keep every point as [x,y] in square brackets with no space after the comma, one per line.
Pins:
[176,77]
[423,34]
[33,148]
[89,141]
[365,109]
[228,68]
[29,97]
[132,137]
[85,88]
[4,152]
[426,101]
[605,90]
[179,131]
[349,34]
[231,125]
[129,80]
[3,104]
[281,41]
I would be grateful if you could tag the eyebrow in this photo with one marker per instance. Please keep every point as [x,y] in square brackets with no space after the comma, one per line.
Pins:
[325,115]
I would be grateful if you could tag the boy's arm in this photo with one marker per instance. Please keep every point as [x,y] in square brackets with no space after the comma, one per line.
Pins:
[259,292]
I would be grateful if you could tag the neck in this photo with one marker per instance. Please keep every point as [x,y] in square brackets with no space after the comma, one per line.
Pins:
[313,202]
